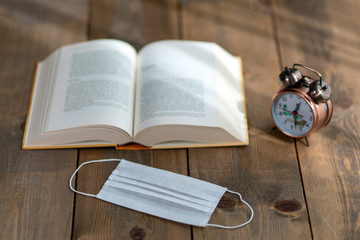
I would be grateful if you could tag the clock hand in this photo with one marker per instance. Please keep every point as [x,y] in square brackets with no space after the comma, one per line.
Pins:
[287,112]
[295,122]
[292,112]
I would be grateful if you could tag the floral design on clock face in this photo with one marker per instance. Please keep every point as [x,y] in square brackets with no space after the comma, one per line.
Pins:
[292,114]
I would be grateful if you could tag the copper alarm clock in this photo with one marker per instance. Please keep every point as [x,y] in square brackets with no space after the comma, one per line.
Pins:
[302,106]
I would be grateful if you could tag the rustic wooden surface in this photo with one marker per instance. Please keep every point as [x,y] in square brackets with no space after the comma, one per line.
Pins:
[297,192]
[326,35]
[35,200]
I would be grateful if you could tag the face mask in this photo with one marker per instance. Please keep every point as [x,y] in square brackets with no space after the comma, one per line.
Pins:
[162,193]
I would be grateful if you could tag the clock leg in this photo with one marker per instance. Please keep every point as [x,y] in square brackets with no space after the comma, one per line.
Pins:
[306,141]
[301,140]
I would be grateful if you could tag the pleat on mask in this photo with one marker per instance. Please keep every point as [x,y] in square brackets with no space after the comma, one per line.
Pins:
[162,193]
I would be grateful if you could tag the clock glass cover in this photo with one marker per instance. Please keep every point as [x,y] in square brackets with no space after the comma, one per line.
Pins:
[292,114]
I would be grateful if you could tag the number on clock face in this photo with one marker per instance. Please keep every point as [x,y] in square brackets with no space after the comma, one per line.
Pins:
[292,114]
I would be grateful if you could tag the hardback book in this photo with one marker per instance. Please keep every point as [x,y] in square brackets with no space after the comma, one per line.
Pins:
[170,94]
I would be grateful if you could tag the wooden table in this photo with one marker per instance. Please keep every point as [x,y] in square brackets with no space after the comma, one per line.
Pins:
[297,192]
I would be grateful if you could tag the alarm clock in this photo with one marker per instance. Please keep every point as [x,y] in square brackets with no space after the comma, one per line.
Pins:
[302,106]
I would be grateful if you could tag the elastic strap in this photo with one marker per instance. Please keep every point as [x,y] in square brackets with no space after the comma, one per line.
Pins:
[238,226]
[83,164]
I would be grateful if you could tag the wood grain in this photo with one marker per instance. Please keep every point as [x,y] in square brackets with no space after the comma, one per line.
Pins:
[326,36]
[266,172]
[35,200]
[138,23]
[96,219]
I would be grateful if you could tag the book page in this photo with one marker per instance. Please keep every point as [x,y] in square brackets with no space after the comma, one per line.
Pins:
[231,94]
[40,98]
[176,85]
[191,84]
[94,85]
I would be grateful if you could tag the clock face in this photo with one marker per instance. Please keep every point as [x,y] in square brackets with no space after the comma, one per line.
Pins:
[292,114]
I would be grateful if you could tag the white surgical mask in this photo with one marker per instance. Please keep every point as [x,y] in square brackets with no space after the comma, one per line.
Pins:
[162,193]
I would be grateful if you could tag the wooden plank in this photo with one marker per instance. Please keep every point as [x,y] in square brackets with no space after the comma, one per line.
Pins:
[136,22]
[97,219]
[266,172]
[35,200]
[325,35]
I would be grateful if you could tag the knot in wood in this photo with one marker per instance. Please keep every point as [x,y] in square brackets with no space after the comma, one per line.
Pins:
[287,205]
[137,233]
[345,102]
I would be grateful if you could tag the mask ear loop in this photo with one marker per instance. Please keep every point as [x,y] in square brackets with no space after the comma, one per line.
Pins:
[238,226]
[83,164]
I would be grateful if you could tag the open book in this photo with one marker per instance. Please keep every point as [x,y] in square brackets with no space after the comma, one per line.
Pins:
[171,94]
